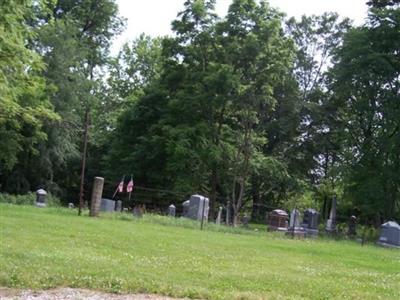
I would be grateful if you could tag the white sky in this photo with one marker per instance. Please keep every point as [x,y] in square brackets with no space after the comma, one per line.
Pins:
[154,17]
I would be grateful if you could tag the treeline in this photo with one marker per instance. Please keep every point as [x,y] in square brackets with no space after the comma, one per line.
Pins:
[255,108]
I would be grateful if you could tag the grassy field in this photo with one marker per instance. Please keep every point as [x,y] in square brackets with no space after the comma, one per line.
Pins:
[44,248]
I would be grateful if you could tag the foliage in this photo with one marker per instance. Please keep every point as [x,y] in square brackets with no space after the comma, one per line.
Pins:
[365,84]
[24,107]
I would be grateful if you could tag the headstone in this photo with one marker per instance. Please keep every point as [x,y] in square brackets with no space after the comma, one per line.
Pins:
[390,235]
[171,210]
[219,216]
[278,220]
[228,213]
[107,205]
[310,222]
[71,205]
[351,232]
[245,220]
[331,223]
[294,224]
[41,198]
[96,196]
[295,218]
[137,211]
[118,206]
[185,206]
[198,208]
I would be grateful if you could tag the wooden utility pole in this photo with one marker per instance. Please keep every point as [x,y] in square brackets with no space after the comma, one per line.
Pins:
[83,162]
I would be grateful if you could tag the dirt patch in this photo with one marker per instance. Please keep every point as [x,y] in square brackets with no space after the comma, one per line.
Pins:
[72,294]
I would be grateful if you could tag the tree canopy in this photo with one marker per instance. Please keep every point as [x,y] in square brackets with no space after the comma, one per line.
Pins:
[255,110]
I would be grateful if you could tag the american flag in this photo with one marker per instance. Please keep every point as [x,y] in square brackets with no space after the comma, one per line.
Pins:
[129,187]
[121,186]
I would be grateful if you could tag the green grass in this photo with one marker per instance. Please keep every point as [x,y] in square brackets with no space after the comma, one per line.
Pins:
[45,248]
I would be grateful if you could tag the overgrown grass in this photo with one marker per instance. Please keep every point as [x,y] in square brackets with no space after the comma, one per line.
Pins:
[44,248]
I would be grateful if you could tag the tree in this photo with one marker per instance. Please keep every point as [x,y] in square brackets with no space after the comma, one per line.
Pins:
[24,106]
[365,84]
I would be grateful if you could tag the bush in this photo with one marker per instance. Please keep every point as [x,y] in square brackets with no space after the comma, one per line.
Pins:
[28,199]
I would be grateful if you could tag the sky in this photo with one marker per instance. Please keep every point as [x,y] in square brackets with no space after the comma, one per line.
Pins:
[154,17]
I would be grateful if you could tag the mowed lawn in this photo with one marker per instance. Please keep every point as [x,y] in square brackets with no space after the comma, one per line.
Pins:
[45,248]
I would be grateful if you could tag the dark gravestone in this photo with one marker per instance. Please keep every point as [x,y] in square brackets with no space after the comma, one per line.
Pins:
[198,208]
[171,210]
[228,213]
[310,222]
[107,205]
[245,221]
[118,206]
[278,220]
[352,227]
[390,235]
[138,211]
[41,198]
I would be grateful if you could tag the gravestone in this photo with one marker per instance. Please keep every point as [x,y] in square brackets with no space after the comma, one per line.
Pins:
[228,213]
[294,224]
[71,205]
[245,221]
[310,222]
[171,210]
[107,205]
[390,235]
[185,206]
[331,223]
[97,192]
[198,208]
[278,220]
[41,198]
[352,226]
[118,206]
[138,211]
[219,216]
[295,219]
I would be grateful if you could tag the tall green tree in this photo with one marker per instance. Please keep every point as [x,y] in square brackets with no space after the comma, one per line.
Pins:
[24,105]
[365,84]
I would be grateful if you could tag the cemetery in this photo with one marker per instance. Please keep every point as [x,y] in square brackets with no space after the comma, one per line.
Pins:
[199,149]
[51,247]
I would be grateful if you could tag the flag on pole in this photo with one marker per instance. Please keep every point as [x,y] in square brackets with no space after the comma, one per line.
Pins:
[120,187]
[129,188]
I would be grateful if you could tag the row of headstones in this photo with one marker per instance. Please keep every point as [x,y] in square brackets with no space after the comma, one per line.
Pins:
[278,221]
[197,208]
